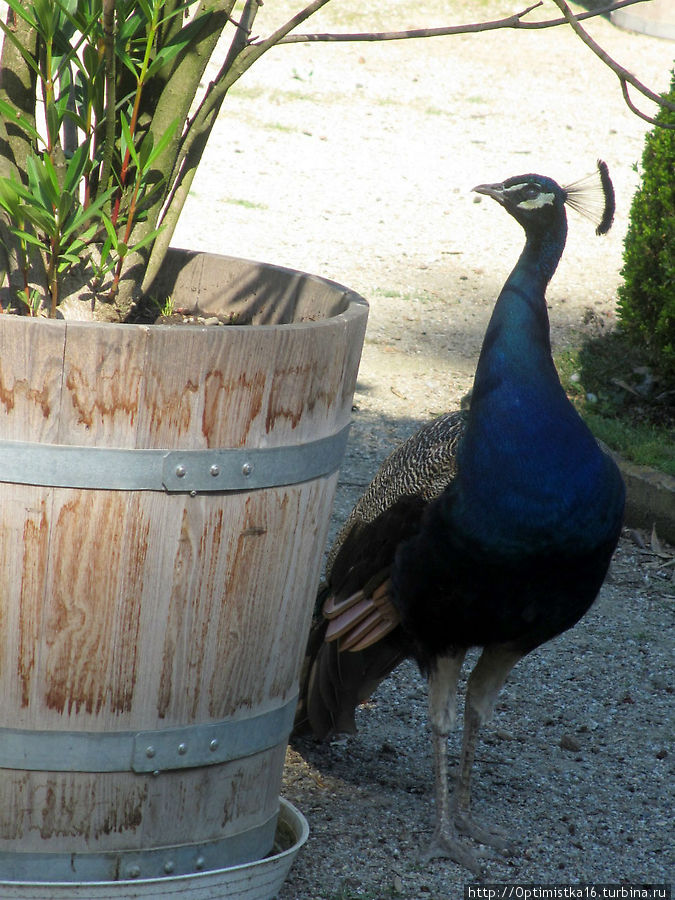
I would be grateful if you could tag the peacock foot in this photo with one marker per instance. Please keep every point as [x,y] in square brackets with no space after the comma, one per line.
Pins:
[447,844]
[490,836]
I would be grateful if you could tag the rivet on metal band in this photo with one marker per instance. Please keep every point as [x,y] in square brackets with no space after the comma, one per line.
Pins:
[145,752]
[128,865]
[174,471]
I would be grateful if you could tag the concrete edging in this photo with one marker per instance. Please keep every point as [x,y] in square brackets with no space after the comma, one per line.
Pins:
[650,499]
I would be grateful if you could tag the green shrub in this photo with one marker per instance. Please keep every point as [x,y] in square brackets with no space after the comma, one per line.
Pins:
[647,296]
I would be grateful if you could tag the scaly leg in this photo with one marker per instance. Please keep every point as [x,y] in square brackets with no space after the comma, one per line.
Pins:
[454,819]
[446,842]
[483,688]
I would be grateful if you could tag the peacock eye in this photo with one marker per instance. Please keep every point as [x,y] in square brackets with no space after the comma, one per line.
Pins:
[530,191]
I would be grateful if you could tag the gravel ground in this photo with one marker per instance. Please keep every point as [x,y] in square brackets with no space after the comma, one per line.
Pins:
[356,162]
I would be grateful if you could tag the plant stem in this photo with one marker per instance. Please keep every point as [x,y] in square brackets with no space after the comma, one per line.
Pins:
[110,91]
[140,83]
[127,235]
[52,276]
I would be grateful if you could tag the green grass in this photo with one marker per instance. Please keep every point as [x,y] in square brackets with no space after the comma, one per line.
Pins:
[389,294]
[622,400]
[284,97]
[247,204]
[279,126]
[642,445]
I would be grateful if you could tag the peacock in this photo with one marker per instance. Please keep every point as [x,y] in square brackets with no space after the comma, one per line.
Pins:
[491,528]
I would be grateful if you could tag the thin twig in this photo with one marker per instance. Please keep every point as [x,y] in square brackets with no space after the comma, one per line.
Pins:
[638,112]
[625,77]
[513,21]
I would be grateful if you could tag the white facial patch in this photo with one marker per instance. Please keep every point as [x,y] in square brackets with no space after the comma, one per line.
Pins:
[514,188]
[537,202]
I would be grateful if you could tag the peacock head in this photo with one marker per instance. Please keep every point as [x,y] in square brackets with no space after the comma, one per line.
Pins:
[537,202]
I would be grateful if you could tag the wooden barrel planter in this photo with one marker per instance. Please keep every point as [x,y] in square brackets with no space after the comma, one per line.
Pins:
[164,502]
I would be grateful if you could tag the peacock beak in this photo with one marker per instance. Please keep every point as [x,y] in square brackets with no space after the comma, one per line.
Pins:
[496,191]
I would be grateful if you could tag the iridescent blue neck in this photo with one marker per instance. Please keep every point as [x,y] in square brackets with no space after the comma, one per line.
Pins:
[522,430]
[517,343]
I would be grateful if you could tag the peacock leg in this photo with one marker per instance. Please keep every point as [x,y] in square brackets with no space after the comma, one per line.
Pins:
[483,688]
[446,842]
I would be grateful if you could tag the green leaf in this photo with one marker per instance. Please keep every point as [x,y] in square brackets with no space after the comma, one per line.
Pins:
[92,61]
[53,123]
[71,254]
[25,193]
[19,7]
[52,176]
[161,143]
[44,15]
[145,7]
[8,112]
[147,238]
[28,237]
[105,252]
[70,8]
[10,198]
[128,143]
[40,184]
[178,42]
[76,119]
[130,28]
[76,166]
[41,220]
[65,207]
[128,62]
[85,214]
[110,228]
[67,261]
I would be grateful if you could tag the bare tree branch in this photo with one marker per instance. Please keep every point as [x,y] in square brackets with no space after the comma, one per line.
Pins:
[516,20]
[625,77]
[199,127]
[512,21]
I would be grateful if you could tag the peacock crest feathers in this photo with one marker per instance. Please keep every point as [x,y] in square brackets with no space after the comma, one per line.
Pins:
[593,197]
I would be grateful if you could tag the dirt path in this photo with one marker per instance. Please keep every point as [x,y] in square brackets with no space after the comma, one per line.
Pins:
[356,162]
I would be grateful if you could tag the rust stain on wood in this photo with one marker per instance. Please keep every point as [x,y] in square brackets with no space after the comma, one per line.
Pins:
[196,593]
[223,404]
[125,815]
[39,398]
[93,616]
[246,622]
[35,554]
[68,806]
[171,414]
[296,390]
[176,617]
[111,395]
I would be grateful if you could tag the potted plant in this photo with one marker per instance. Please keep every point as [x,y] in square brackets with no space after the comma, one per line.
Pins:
[165,491]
